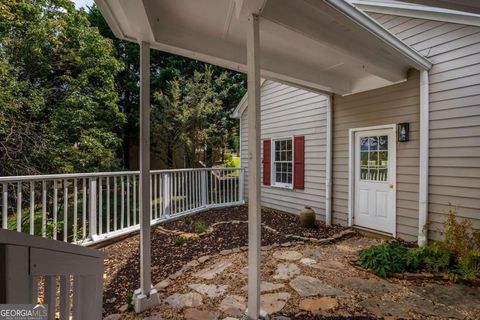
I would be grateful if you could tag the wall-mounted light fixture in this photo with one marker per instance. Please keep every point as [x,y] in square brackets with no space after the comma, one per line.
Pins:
[403,132]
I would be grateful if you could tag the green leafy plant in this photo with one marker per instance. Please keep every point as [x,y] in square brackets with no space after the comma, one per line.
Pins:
[130,301]
[179,241]
[53,228]
[200,227]
[469,266]
[385,259]
[433,257]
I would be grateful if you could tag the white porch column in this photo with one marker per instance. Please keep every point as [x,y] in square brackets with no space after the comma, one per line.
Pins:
[254,213]
[147,296]
[424,158]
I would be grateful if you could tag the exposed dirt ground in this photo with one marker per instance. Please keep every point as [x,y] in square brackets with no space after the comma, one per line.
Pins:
[168,255]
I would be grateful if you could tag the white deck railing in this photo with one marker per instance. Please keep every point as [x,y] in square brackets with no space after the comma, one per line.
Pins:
[87,208]
[66,277]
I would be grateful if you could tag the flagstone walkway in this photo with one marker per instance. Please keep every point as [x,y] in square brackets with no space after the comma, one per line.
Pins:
[306,281]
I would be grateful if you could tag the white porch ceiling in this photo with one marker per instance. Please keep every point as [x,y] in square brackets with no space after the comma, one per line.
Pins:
[327,45]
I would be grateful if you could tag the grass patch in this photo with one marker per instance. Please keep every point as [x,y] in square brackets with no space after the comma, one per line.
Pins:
[200,227]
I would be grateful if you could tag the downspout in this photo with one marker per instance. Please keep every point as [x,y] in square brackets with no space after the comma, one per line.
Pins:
[424,159]
[328,165]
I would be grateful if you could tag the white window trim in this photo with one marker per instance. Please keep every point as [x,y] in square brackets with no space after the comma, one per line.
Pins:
[273,183]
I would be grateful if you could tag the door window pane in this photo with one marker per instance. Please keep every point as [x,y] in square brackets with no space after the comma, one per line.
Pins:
[374,158]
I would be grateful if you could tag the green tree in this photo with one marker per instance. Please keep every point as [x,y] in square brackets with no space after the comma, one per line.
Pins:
[58,103]
[169,74]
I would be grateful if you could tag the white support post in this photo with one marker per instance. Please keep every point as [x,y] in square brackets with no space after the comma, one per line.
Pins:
[424,158]
[254,209]
[166,200]
[328,165]
[92,214]
[204,187]
[146,296]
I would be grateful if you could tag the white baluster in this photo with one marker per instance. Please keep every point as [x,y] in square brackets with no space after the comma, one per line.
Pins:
[100,206]
[32,207]
[19,206]
[65,210]
[128,201]
[134,199]
[122,204]
[55,208]
[4,206]
[44,208]
[84,208]
[108,203]
[75,210]
[115,204]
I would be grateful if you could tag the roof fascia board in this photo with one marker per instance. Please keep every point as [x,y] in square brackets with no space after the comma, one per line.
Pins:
[369,24]
[107,13]
[419,11]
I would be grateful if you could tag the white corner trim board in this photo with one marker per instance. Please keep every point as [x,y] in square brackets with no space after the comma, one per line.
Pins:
[328,165]
[424,158]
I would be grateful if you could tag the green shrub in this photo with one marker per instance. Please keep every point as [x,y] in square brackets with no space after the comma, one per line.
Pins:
[385,259]
[433,257]
[469,266]
[200,227]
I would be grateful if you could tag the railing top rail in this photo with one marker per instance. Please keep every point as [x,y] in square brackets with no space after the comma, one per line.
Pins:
[100,174]
[23,239]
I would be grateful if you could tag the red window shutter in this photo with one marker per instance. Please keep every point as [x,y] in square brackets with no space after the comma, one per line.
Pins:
[267,161]
[299,162]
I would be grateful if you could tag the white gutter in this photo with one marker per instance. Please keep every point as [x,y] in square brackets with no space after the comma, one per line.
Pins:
[328,165]
[424,159]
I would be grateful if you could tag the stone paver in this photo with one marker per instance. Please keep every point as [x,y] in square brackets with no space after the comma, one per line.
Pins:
[233,305]
[178,300]
[266,286]
[273,302]
[315,253]
[286,271]
[318,304]
[210,290]
[329,265]
[212,271]
[307,286]
[287,255]
[162,285]
[370,286]
[196,314]
[457,295]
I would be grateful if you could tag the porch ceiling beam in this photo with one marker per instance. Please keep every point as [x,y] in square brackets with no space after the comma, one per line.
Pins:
[472,6]
[233,57]
[244,8]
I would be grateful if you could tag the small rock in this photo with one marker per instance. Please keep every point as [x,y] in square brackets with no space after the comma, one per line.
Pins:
[212,271]
[326,240]
[210,290]
[266,248]
[318,304]
[236,250]
[273,302]
[307,261]
[286,270]
[115,316]
[244,248]
[178,300]
[287,255]
[123,308]
[225,252]
[196,314]
[313,253]
[193,263]
[111,300]
[162,284]
[233,305]
[203,259]
[176,275]
[286,244]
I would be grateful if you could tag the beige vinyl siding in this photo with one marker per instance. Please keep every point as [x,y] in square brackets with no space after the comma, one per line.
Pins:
[389,105]
[286,112]
[454,50]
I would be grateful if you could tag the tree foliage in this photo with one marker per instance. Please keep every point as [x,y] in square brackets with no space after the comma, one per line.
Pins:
[58,102]
[191,102]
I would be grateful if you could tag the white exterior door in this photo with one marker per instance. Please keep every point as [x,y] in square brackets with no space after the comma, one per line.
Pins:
[374,170]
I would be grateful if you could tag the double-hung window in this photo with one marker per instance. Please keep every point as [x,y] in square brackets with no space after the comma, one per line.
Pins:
[282,164]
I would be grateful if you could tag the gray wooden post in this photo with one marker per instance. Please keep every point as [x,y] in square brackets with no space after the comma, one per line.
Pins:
[146,296]
[254,215]
[92,214]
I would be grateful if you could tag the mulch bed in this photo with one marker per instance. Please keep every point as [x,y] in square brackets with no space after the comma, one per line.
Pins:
[122,264]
